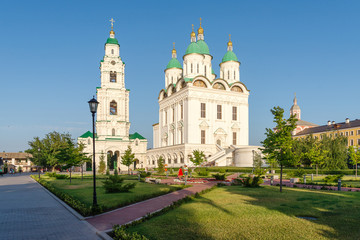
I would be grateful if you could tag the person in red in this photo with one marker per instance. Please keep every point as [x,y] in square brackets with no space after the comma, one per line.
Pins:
[180,174]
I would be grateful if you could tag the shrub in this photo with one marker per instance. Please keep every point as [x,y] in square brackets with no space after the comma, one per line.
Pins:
[222,170]
[107,172]
[259,171]
[61,176]
[250,181]
[144,174]
[50,174]
[114,184]
[202,172]
[116,172]
[219,176]
[119,233]
[297,173]
[333,178]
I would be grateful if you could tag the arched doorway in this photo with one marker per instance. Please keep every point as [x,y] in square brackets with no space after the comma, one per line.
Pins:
[111,158]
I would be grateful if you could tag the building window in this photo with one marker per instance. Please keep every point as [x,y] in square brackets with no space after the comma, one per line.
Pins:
[169,160]
[173,133]
[358,142]
[202,136]
[181,135]
[218,142]
[351,142]
[173,114]
[203,110]
[113,132]
[342,134]
[113,76]
[89,142]
[112,51]
[336,134]
[351,133]
[234,113]
[205,71]
[228,75]
[165,117]
[358,132]
[182,111]
[219,114]
[113,108]
[234,138]
[234,75]
[346,134]
[197,68]
[191,70]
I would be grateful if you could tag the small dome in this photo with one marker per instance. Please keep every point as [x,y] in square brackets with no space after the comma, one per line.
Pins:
[112,41]
[174,63]
[200,30]
[193,48]
[204,49]
[229,56]
[294,107]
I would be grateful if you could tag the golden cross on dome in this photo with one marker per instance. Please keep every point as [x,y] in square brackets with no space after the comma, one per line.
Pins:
[229,37]
[192,25]
[112,23]
[200,22]
[174,45]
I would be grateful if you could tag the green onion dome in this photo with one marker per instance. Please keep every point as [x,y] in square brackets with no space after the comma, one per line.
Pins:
[112,41]
[192,48]
[204,49]
[229,56]
[174,63]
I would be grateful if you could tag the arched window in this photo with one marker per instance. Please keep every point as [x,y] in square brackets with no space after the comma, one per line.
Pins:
[197,68]
[89,141]
[218,142]
[234,75]
[113,76]
[199,83]
[191,68]
[113,132]
[228,75]
[113,108]
[219,86]
[236,89]
[205,71]
[112,51]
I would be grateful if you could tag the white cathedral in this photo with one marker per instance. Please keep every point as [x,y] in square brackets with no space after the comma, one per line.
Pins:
[112,123]
[197,111]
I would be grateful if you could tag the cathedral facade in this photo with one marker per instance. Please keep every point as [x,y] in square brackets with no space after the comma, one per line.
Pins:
[112,123]
[199,111]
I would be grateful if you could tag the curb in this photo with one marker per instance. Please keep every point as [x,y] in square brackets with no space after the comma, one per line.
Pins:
[101,234]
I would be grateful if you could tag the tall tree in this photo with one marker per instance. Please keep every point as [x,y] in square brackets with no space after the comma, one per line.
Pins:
[197,158]
[161,165]
[278,142]
[102,164]
[354,157]
[128,158]
[336,147]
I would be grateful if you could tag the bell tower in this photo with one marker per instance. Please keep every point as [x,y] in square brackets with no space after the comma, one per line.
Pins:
[113,111]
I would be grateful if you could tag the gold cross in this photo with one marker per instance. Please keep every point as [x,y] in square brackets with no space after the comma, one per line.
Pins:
[174,45]
[230,37]
[112,23]
[200,22]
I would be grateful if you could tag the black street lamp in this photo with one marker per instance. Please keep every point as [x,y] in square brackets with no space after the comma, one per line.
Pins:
[93,104]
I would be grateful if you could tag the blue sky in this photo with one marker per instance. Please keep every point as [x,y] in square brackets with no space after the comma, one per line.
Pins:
[50,53]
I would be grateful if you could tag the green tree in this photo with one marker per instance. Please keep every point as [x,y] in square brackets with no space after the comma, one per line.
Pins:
[316,154]
[354,157]
[278,142]
[197,158]
[161,165]
[336,148]
[128,158]
[102,164]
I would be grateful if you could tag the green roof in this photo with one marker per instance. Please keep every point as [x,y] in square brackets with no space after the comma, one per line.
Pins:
[193,48]
[188,79]
[204,49]
[229,56]
[112,41]
[87,134]
[135,136]
[174,63]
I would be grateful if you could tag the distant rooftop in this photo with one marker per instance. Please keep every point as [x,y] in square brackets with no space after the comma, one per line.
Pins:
[331,127]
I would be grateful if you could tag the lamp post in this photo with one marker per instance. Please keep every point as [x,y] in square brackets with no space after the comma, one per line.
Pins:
[93,104]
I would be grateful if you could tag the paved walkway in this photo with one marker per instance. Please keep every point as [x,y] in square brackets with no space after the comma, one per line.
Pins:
[121,216]
[27,211]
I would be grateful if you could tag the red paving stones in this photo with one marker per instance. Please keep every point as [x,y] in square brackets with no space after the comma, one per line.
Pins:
[106,221]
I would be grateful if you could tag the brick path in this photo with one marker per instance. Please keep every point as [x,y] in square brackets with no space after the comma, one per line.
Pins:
[104,222]
[27,211]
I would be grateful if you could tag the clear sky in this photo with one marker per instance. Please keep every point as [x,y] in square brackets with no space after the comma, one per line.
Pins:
[50,53]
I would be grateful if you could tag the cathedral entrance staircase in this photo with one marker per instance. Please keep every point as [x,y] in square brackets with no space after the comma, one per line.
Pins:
[223,157]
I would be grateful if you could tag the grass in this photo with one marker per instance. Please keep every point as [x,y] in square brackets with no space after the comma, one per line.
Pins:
[260,213]
[82,190]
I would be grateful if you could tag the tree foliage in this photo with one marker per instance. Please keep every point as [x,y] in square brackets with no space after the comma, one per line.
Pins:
[128,158]
[278,143]
[102,164]
[161,165]
[198,157]
[354,157]
[56,150]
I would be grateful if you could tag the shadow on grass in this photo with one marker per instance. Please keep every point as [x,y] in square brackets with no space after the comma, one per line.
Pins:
[338,210]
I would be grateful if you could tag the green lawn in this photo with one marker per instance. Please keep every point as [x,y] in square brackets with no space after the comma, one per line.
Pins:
[82,190]
[260,213]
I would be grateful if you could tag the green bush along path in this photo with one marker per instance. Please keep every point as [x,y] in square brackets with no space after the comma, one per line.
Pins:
[259,213]
[82,190]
